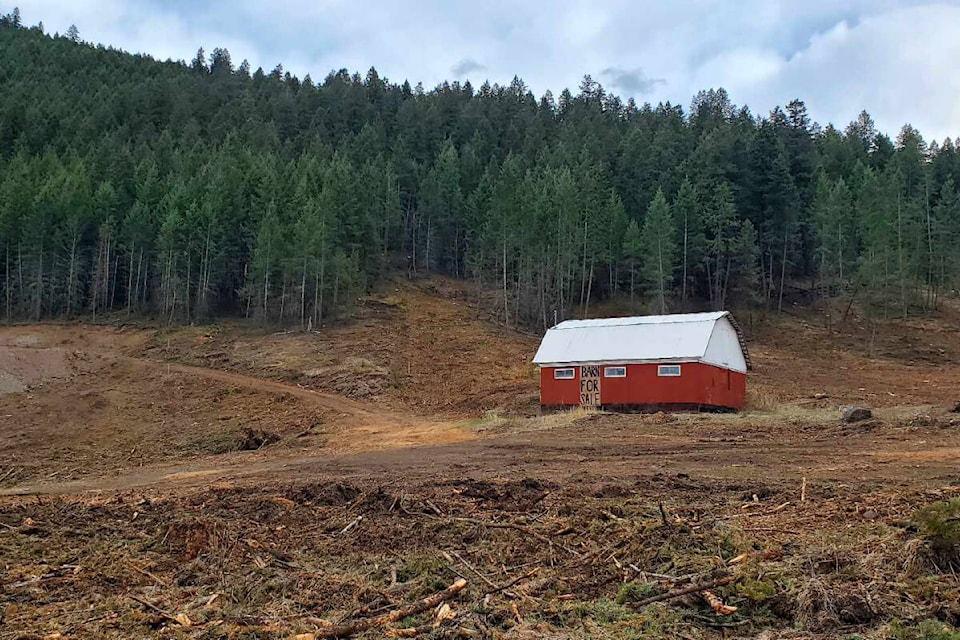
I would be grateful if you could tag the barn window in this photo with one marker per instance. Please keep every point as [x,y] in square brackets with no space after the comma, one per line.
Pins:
[668,370]
[563,374]
[614,372]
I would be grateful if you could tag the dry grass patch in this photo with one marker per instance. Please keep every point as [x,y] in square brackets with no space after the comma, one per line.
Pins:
[496,420]
[762,399]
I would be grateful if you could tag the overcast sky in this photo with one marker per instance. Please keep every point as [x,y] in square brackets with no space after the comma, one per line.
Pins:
[896,59]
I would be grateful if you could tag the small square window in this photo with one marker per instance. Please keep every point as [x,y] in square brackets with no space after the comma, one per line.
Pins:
[614,372]
[668,370]
[563,374]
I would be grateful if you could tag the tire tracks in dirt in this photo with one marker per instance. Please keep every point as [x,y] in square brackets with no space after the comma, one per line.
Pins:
[356,428]
[346,406]
[377,428]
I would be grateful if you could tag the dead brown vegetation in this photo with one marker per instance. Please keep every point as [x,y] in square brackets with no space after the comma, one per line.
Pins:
[205,482]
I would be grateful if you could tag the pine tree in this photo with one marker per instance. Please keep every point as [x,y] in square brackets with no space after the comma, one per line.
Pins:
[172,250]
[770,205]
[441,206]
[633,252]
[103,274]
[658,242]
[946,230]
[265,265]
[199,63]
[730,249]
[877,213]
[834,220]
[220,63]
[688,222]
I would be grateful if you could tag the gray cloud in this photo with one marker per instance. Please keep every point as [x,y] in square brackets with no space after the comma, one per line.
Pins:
[466,66]
[633,82]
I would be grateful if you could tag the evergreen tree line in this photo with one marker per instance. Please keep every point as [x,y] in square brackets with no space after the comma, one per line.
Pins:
[188,190]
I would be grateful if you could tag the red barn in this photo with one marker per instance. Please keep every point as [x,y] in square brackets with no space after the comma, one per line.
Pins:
[680,360]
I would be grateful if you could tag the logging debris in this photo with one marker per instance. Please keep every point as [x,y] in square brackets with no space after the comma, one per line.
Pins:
[358,626]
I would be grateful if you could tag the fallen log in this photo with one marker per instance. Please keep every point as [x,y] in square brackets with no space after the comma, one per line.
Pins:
[677,593]
[444,614]
[359,626]
[410,632]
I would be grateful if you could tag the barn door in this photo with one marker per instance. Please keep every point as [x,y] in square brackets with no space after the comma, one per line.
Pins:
[590,386]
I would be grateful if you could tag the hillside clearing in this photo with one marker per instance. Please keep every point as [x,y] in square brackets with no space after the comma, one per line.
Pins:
[201,471]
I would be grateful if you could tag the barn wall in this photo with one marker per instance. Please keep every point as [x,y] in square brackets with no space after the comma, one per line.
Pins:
[559,392]
[699,383]
[724,348]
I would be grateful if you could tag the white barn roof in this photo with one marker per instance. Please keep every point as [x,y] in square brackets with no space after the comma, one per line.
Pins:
[712,338]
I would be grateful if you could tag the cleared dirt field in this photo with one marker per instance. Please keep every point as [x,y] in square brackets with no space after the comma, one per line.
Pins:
[224,481]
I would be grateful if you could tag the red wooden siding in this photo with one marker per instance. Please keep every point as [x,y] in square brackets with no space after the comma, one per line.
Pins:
[559,392]
[698,383]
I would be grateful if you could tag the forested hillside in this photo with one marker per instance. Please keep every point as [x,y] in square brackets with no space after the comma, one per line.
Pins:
[189,190]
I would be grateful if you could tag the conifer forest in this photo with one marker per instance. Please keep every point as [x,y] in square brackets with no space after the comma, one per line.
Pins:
[189,190]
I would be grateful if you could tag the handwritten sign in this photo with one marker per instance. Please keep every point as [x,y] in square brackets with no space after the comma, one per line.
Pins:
[590,386]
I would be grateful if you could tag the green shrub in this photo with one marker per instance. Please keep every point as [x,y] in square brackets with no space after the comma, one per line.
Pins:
[939,525]
[926,630]
[756,590]
[634,591]
[602,611]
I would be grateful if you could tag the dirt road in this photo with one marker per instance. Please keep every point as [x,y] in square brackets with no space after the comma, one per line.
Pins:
[607,448]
